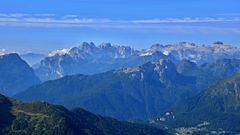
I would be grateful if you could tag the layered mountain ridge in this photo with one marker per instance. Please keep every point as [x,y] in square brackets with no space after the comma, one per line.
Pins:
[128,93]
[139,92]
[90,59]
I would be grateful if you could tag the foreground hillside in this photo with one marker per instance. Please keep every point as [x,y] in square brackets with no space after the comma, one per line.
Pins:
[216,109]
[38,118]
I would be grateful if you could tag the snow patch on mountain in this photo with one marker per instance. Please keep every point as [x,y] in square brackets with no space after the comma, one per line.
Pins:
[165,52]
[58,52]
[2,51]
[145,54]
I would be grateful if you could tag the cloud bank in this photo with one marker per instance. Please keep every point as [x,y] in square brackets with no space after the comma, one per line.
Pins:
[52,20]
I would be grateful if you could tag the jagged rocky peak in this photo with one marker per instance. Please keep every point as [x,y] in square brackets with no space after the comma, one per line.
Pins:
[154,48]
[221,47]
[159,66]
[157,46]
[105,45]
[87,46]
[109,45]
[218,43]
[164,65]
[163,71]
[117,50]
[187,43]
[74,50]
[84,48]
[90,48]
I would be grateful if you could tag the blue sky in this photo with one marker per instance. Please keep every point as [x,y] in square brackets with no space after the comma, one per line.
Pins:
[41,26]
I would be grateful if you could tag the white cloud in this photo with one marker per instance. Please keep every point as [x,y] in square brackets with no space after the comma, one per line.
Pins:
[44,15]
[70,16]
[20,15]
[52,20]
[13,15]
[187,20]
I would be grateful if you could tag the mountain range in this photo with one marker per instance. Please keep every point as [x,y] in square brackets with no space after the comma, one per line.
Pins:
[199,54]
[91,59]
[41,118]
[129,93]
[139,92]
[15,74]
[178,87]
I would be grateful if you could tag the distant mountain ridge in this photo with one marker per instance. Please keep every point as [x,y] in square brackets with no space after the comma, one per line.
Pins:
[15,74]
[197,53]
[109,50]
[41,118]
[32,58]
[90,59]
[139,92]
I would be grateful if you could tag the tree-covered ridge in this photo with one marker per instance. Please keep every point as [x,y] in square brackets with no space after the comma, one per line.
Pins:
[218,108]
[40,118]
